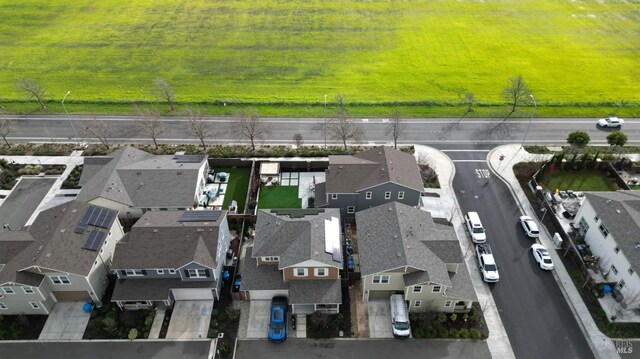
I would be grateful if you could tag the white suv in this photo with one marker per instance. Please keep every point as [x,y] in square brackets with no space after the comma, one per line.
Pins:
[610,121]
[530,227]
[475,227]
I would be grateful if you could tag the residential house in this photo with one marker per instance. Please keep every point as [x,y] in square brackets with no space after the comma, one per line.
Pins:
[402,250]
[169,256]
[368,179]
[296,253]
[133,182]
[63,256]
[610,222]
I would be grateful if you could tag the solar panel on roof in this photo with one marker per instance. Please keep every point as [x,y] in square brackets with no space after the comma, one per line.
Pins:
[102,217]
[87,214]
[199,216]
[94,241]
[189,158]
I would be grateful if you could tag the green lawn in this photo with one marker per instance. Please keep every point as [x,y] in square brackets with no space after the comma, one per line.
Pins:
[279,197]
[295,52]
[635,187]
[579,181]
[237,186]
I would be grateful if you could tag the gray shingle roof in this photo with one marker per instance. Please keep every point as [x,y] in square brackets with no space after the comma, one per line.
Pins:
[320,195]
[294,240]
[395,235]
[315,292]
[351,174]
[140,179]
[264,277]
[52,243]
[153,289]
[160,240]
[461,285]
[620,212]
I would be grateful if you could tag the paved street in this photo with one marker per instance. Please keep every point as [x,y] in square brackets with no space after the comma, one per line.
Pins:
[357,349]
[534,312]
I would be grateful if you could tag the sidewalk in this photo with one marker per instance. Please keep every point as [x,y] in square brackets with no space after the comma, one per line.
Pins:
[498,341]
[601,345]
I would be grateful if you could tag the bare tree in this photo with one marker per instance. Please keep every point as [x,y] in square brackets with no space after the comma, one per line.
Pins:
[516,93]
[297,138]
[249,126]
[150,124]
[165,92]
[344,129]
[469,100]
[34,90]
[198,127]
[396,127]
[102,130]
[6,127]
[341,101]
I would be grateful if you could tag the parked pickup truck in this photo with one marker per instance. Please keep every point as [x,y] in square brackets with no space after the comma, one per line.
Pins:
[486,263]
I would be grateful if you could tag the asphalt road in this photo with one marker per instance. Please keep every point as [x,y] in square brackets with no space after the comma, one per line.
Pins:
[95,349]
[534,312]
[433,131]
[18,207]
[357,349]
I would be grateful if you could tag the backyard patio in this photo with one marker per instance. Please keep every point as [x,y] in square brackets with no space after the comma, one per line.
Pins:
[293,191]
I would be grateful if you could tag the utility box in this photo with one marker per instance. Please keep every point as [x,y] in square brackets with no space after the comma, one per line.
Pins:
[557,240]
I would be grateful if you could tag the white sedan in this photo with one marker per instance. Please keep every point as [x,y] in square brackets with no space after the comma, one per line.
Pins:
[530,227]
[541,255]
[611,121]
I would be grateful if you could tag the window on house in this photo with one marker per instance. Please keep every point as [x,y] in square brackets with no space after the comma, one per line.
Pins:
[196,273]
[417,289]
[351,209]
[172,271]
[334,196]
[436,289]
[621,284]
[159,271]
[584,225]
[368,195]
[7,290]
[614,269]
[604,230]
[27,290]
[3,306]
[596,218]
[448,303]
[417,303]
[300,272]
[616,249]
[401,195]
[380,279]
[60,279]
[321,272]
[387,195]
[34,305]
[270,259]
[133,272]
[630,270]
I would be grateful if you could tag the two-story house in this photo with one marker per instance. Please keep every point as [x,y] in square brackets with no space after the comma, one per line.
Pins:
[402,250]
[296,253]
[368,179]
[169,256]
[610,222]
[133,182]
[63,256]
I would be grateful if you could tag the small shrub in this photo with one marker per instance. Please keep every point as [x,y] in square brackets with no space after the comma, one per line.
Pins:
[133,334]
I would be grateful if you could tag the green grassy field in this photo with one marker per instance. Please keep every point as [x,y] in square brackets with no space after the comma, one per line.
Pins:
[584,53]
[580,181]
[237,186]
[279,197]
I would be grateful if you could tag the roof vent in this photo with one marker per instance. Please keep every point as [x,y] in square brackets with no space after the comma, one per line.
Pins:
[74,210]
[379,153]
[395,236]
[155,230]
[618,211]
[179,172]
[63,230]
[390,209]
[138,173]
[638,245]
[200,230]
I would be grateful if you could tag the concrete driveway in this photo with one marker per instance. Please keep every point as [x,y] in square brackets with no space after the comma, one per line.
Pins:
[66,321]
[379,319]
[190,319]
[258,319]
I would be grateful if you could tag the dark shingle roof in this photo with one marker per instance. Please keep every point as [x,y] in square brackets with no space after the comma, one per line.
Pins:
[140,179]
[461,285]
[320,195]
[160,240]
[620,212]
[315,292]
[351,174]
[295,239]
[52,243]
[153,289]
[395,235]
[264,277]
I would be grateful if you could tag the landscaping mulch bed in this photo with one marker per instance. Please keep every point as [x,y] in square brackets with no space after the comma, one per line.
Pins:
[449,325]
[21,327]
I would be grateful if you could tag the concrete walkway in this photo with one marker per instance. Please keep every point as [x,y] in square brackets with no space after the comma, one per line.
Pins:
[600,344]
[498,341]
[156,327]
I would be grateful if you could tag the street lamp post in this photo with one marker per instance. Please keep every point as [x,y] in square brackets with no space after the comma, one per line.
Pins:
[69,119]
[324,115]
[535,104]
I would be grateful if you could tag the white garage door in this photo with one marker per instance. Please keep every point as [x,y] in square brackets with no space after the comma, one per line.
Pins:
[192,294]
[267,294]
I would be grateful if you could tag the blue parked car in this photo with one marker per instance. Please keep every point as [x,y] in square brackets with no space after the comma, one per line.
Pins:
[278,319]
